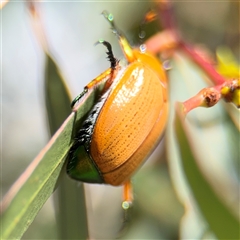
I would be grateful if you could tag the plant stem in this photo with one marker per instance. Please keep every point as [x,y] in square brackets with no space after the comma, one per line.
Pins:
[207,67]
[167,19]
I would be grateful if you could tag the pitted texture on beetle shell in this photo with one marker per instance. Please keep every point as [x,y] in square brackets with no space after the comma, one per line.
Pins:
[126,118]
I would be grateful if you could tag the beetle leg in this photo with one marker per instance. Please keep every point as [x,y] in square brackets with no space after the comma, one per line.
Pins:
[107,76]
[110,55]
[127,49]
[101,78]
[127,195]
[113,61]
[78,97]
[127,201]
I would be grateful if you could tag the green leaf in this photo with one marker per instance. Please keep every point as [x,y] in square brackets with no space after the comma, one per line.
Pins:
[234,113]
[33,188]
[220,219]
[69,197]
[28,194]
[214,140]
[57,97]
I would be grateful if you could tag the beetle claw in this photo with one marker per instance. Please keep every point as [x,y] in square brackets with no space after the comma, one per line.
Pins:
[126,205]
[109,17]
[110,55]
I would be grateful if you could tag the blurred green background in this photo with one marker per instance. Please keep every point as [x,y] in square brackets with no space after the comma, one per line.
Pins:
[71,29]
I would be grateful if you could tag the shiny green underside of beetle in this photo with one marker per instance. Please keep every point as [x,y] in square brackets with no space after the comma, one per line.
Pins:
[82,168]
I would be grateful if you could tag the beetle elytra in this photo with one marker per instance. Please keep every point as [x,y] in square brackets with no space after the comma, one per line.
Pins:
[127,122]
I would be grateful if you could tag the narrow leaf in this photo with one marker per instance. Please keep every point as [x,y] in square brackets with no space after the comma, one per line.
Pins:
[214,139]
[234,113]
[219,217]
[69,198]
[57,97]
[28,194]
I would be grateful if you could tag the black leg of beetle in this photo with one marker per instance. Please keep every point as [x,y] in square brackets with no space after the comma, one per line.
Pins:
[76,99]
[110,55]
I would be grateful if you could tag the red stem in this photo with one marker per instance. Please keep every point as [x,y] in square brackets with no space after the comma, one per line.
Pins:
[168,21]
[207,67]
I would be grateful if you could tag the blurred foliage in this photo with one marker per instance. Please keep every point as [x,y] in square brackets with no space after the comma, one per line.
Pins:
[227,63]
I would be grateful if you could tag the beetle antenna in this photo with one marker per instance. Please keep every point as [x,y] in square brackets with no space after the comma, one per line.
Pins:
[109,53]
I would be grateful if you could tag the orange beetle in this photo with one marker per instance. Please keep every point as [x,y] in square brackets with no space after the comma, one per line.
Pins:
[127,122]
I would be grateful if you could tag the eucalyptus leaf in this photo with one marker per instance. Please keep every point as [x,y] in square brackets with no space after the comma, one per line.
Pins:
[220,219]
[214,140]
[234,113]
[28,194]
[69,197]
[57,97]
